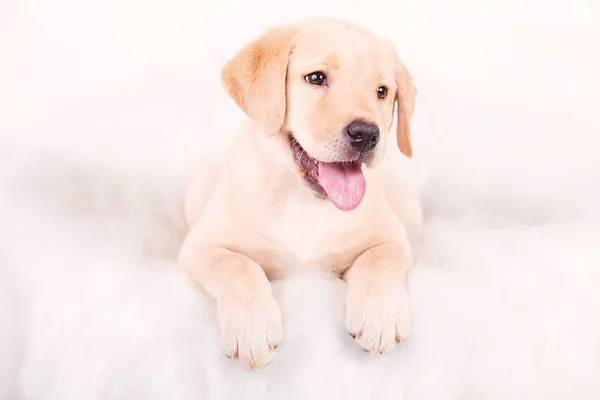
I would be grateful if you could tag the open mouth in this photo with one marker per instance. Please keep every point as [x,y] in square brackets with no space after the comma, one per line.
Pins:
[342,182]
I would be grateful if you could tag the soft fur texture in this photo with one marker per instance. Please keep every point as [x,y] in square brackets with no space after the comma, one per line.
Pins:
[257,216]
[505,290]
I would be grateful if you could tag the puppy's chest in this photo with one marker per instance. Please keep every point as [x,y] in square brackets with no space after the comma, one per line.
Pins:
[317,239]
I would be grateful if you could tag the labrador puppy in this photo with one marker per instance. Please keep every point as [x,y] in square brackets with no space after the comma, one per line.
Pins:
[302,186]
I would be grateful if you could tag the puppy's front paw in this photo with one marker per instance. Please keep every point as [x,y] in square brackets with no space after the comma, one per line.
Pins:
[251,328]
[377,318]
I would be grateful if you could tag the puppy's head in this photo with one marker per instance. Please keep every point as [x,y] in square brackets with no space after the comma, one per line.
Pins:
[328,87]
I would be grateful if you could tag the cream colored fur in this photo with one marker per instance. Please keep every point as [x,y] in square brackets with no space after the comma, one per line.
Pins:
[253,219]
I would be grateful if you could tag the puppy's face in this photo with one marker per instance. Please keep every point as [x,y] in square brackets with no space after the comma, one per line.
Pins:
[340,94]
[328,88]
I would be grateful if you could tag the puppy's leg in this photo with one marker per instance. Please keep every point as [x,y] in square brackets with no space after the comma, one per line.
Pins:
[377,308]
[249,317]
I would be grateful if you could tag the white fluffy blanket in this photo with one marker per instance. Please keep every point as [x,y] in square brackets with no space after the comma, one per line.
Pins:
[506,288]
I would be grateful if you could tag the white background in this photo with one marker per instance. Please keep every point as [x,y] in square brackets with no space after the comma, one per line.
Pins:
[104,106]
[509,79]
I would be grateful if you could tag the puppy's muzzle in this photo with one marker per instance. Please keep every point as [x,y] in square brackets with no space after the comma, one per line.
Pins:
[363,136]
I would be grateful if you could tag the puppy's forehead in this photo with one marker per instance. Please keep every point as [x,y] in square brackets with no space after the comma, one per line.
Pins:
[340,46]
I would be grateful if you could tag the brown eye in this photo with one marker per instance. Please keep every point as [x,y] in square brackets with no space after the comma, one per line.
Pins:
[382,92]
[316,78]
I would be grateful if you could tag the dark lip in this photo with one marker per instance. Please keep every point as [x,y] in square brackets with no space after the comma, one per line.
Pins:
[310,167]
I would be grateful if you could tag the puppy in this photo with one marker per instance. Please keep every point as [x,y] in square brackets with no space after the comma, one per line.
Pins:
[302,186]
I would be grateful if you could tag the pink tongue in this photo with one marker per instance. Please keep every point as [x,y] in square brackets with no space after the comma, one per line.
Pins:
[344,183]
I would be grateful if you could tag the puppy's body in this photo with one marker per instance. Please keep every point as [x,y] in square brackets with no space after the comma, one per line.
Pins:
[249,206]
[255,216]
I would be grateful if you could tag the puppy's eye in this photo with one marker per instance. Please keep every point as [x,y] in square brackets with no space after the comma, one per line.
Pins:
[316,78]
[382,92]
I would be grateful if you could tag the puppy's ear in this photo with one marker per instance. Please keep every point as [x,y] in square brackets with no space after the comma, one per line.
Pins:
[256,77]
[405,100]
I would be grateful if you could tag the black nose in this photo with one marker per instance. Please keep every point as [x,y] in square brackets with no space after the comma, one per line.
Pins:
[363,135]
